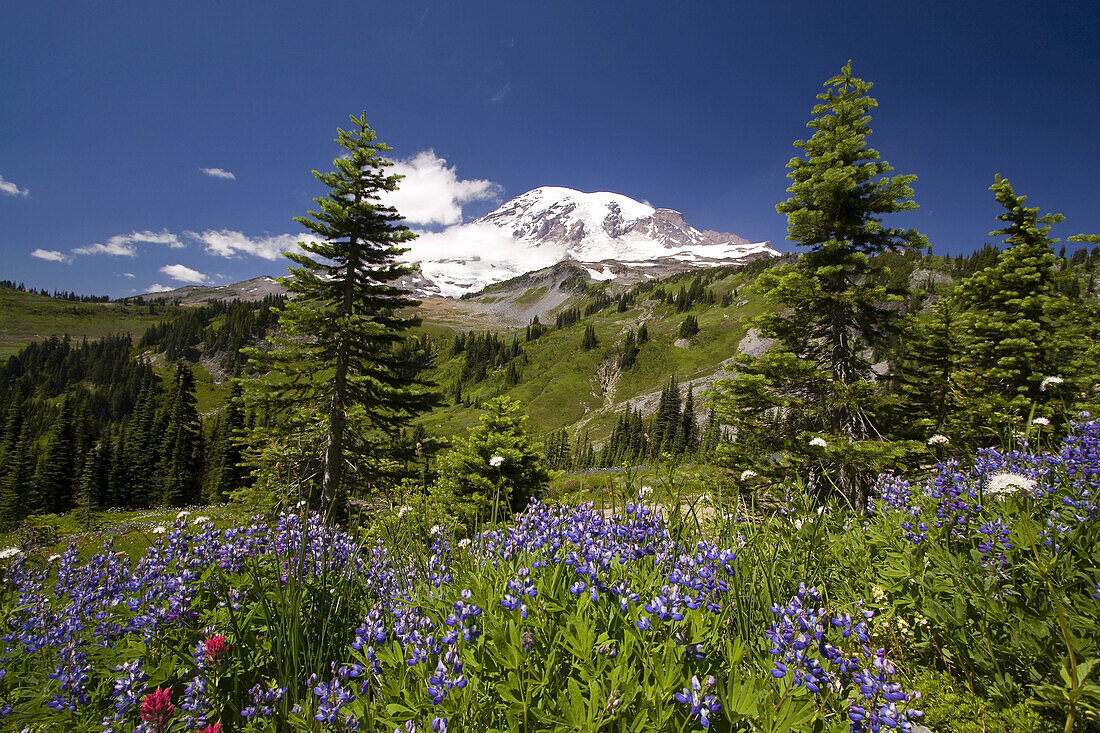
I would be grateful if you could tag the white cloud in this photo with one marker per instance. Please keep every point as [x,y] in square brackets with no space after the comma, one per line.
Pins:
[184,274]
[126,274]
[431,193]
[219,173]
[228,243]
[51,255]
[10,189]
[504,91]
[158,288]
[475,255]
[122,245]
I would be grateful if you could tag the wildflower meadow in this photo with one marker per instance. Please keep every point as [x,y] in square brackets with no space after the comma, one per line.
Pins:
[573,618]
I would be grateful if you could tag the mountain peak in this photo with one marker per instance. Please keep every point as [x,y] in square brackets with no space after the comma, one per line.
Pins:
[553,223]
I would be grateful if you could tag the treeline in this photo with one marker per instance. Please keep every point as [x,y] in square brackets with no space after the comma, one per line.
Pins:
[55,294]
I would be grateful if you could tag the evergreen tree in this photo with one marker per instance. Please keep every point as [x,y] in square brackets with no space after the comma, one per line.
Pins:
[687,439]
[181,450]
[589,341]
[141,457]
[1017,329]
[630,351]
[468,472]
[337,351]
[19,492]
[643,334]
[94,481]
[833,306]
[59,471]
[666,423]
[228,471]
[925,388]
[689,327]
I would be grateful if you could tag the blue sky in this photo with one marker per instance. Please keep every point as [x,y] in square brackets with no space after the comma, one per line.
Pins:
[121,123]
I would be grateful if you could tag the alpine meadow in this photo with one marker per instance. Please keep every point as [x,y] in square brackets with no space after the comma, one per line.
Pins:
[603,471]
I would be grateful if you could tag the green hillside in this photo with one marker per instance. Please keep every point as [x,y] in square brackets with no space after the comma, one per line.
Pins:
[563,385]
[27,317]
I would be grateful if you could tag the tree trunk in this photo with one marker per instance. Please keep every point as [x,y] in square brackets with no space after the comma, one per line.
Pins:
[334,447]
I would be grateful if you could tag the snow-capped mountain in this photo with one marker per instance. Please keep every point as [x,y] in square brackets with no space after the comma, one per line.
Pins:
[613,235]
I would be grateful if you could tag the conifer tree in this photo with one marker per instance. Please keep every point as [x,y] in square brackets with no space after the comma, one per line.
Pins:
[181,450]
[687,440]
[833,309]
[19,492]
[518,474]
[228,470]
[138,464]
[589,341]
[1017,330]
[59,472]
[924,381]
[336,353]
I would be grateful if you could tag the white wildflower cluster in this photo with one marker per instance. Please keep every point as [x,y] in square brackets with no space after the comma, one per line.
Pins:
[818,442]
[1007,482]
[201,519]
[938,439]
[183,514]
[9,552]
[645,491]
[160,529]
[878,594]
[402,511]
[748,473]
[496,461]
[1049,381]
[1041,421]
[464,542]
[436,529]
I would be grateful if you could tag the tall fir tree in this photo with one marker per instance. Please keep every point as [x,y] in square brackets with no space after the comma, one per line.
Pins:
[59,471]
[181,450]
[138,464]
[834,308]
[228,471]
[336,351]
[1018,329]
[924,385]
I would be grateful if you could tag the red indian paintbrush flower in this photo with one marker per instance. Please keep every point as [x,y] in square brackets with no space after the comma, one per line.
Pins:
[157,709]
[212,728]
[215,646]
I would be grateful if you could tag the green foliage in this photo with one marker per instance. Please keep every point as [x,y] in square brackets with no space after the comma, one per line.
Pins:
[834,307]
[488,491]
[337,351]
[949,705]
[181,447]
[1018,328]
[589,341]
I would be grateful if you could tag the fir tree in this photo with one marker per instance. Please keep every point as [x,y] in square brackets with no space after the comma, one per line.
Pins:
[832,306]
[337,351]
[181,450]
[470,472]
[924,384]
[19,492]
[1017,329]
[59,472]
[228,470]
[589,341]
